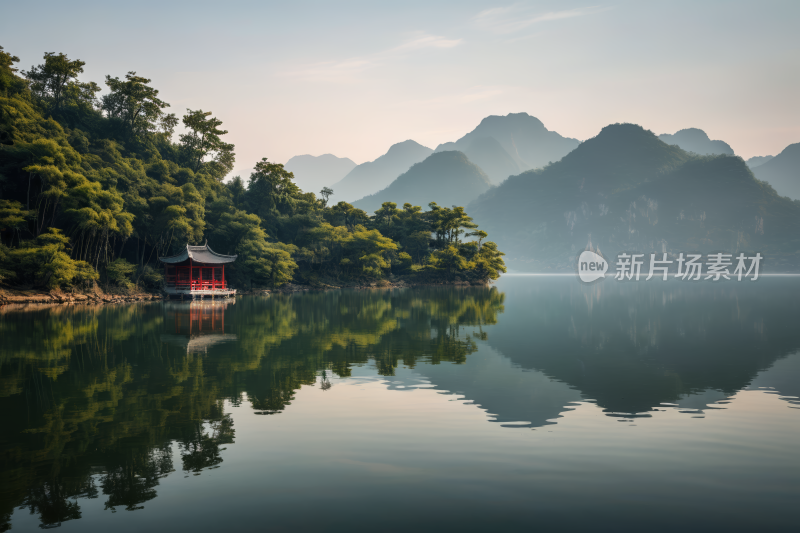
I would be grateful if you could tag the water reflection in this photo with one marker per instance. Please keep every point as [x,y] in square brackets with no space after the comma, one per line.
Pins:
[197,325]
[634,346]
[105,402]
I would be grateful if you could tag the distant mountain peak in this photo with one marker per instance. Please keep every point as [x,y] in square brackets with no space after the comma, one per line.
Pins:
[314,172]
[625,131]
[405,145]
[621,156]
[519,118]
[782,172]
[524,139]
[447,178]
[372,176]
[697,141]
[693,133]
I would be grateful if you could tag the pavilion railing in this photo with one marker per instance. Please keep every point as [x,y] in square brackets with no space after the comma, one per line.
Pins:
[195,278]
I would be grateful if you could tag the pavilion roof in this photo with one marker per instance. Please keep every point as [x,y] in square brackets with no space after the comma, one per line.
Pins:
[199,254]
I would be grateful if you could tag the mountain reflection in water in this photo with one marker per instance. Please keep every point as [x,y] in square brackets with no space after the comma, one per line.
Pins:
[108,403]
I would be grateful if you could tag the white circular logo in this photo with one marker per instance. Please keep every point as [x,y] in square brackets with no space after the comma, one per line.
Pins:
[591,266]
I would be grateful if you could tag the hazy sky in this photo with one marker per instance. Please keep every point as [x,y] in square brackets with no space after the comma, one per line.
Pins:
[290,78]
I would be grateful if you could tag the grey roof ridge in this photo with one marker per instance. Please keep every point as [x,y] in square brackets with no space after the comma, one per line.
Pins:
[187,254]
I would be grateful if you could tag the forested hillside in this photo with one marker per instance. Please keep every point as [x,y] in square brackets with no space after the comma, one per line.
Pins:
[96,188]
[626,190]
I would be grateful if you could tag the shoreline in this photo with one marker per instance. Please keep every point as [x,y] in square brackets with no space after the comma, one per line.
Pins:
[98,296]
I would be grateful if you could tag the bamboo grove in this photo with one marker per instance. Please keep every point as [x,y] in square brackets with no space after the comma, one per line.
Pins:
[94,188]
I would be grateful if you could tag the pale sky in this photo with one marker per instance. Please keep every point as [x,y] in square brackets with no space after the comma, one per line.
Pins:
[290,78]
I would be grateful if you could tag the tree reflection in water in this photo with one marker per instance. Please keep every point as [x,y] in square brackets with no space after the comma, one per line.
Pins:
[120,386]
[100,401]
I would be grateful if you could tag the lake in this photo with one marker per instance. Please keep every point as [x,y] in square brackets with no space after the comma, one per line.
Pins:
[537,403]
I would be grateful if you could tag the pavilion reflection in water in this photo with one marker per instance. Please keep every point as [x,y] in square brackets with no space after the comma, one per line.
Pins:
[196,325]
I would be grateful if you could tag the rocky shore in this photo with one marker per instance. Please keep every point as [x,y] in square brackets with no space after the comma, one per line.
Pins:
[96,295]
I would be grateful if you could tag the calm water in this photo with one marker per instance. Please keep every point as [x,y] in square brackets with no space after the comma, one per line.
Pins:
[539,403]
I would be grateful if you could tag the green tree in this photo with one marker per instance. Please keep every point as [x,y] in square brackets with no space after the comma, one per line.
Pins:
[10,83]
[271,188]
[489,262]
[449,261]
[134,103]
[202,139]
[45,262]
[13,217]
[51,81]
[107,186]
[260,260]
[120,271]
[325,193]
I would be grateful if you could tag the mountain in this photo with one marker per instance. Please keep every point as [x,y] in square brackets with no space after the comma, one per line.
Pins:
[487,153]
[447,178]
[626,190]
[373,176]
[697,141]
[783,172]
[753,162]
[313,173]
[523,138]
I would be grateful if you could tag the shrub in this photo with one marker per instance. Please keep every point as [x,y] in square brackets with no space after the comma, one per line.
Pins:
[151,278]
[119,273]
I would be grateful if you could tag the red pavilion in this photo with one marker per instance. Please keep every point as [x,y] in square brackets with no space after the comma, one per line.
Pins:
[197,272]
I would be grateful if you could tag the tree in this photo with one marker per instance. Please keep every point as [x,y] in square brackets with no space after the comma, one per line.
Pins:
[203,139]
[237,191]
[44,262]
[10,83]
[449,261]
[167,124]
[271,188]
[259,259]
[480,234]
[489,262]
[90,177]
[133,102]
[344,214]
[51,80]
[13,217]
[120,271]
[325,193]
[369,249]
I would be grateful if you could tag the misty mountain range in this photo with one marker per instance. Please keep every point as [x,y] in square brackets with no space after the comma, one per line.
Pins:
[697,141]
[506,145]
[627,190]
[449,176]
[782,171]
[542,197]
[373,176]
[313,173]
[501,146]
